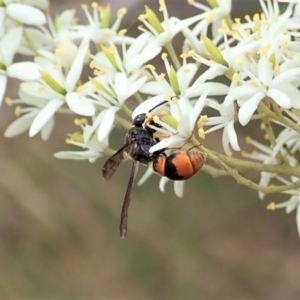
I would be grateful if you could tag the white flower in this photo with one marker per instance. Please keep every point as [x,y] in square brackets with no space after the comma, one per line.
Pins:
[133,58]
[9,44]
[210,16]
[94,148]
[291,204]
[166,30]
[109,92]
[57,32]
[52,89]
[226,121]
[99,30]
[266,83]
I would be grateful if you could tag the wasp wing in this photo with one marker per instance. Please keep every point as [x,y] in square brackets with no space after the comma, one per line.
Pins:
[112,164]
[126,202]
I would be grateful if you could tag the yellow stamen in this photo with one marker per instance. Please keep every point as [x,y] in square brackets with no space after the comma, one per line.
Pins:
[150,67]
[235,78]
[174,99]
[247,18]
[264,49]
[244,154]
[183,55]
[164,56]
[162,5]
[271,206]
[253,83]
[256,17]
[248,140]
[122,32]
[79,122]
[18,111]
[8,101]
[81,88]
[142,17]
[92,64]
[156,119]
[68,141]
[201,133]
[121,12]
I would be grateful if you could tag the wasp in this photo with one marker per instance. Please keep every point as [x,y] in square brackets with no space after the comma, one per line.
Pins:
[179,165]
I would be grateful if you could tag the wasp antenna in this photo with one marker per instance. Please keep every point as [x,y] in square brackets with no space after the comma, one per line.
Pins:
[158,105]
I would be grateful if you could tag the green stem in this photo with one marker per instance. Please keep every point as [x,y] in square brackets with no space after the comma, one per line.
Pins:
[244,181]
[281,119]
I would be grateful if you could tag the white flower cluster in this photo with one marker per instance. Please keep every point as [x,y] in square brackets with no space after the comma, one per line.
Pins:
[97,72]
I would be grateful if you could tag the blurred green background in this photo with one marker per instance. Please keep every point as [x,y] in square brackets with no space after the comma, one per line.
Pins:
[59,223]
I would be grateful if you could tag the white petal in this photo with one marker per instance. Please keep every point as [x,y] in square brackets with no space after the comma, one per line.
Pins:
[185,75]
[232,135]
[45,115]
[26,14]
[107,122]
[77,155]
[243,91]
[282,99]
[134,87]
[214,71]
[89,130]
[3,82]
[147,105]
[49,68]
[247,110]
[292,204]
[265,72]
[21,124]
[2,21]
[148,53]
[286,76]
[170,142]
[41,4]
[75,71]
[197,109]
[80,104]
[162,183]
[292,92]
[179,188]
[215,88]
[9,45]
[47,129]
[146,175]
[298,218]
[225,143]
[24,71]
[152,88]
